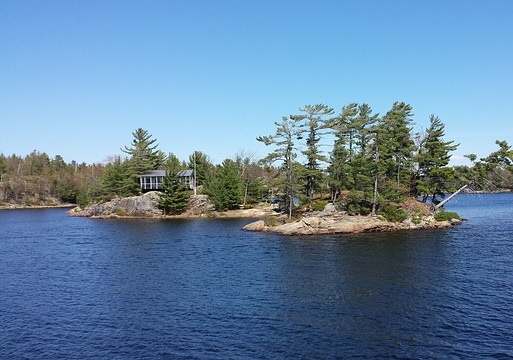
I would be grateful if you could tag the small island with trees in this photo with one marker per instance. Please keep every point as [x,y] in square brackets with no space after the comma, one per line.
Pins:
[378,175]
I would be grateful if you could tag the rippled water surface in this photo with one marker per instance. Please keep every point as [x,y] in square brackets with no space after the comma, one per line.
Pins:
[75,288]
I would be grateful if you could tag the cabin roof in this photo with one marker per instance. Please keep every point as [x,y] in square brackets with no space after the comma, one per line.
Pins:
[183,173]
[153,173]
[186,173]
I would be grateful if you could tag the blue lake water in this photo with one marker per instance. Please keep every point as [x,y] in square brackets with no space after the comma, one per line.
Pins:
[76,288]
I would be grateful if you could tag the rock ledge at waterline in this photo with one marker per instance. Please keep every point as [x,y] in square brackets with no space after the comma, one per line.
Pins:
[340,223]
[328,221]
[146,206]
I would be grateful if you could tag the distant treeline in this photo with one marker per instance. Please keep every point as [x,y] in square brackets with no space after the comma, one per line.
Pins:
[372,164]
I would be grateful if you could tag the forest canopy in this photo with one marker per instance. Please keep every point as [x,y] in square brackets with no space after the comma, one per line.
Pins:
[354,157]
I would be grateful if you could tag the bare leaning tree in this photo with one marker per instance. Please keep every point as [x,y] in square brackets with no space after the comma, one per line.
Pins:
[287,132]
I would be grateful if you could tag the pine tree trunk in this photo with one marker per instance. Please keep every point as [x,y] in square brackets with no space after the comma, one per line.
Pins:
[375,196]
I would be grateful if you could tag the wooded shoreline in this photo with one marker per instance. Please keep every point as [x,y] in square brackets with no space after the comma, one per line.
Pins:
[376,163]
[267,220]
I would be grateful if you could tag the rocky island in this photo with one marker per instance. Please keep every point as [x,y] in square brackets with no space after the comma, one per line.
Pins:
[345,224]
[147,206]
[331,221]
[328,221]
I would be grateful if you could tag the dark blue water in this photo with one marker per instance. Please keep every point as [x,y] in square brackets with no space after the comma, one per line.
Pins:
[75,288]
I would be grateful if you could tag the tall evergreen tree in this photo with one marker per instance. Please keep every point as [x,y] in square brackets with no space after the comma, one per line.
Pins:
[432,158]
[351,160]
[284,139]
[497,168]
[365,128]
[339,167]
[143,155]
[202,165]
[363,167]
[225,188]
[173,164]
[503,157]
[143,152]
[313,122]
[361,162]
[396,145]
[116,180]
[174,197]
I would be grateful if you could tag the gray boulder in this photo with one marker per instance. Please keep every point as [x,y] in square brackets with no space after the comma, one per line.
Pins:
[145,205]
[328,210]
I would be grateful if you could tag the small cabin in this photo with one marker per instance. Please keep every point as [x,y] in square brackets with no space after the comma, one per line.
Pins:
[154,179]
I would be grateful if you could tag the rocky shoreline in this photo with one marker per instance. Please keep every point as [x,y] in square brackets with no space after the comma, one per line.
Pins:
[332,221]
[146,206]
[345,224]
[328,221]
[24,207]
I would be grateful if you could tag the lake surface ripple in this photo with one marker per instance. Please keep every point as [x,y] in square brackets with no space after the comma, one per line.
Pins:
[75,288]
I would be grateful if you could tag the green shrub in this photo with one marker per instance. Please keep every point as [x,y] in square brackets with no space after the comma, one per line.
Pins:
[318,205]
[364,210]
[358,209]
[271,221]
[446,215]
[393,213]
[416,218]
[353,209]
[356,196]
[82,199]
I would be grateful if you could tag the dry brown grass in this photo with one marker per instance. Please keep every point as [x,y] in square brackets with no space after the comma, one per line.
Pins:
[413,206]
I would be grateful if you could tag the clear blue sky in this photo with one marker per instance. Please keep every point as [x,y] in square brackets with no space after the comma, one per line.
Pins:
[78,77]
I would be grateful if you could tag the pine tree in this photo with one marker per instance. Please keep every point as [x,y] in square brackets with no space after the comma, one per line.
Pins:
[143,152]
[339,168]
[174,197]
[433,157]
[396,147]
[361,162]
[225,188]
[143,156]
[116,180]
[497,168]
[202,166]
[352,159]
[313,125]
[173,164]
[502,158]
[284,139]
[343,126]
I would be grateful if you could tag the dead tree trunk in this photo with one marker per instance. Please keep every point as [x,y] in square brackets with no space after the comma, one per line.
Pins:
[439,205]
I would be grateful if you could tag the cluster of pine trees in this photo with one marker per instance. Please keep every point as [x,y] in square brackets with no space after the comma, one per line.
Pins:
[491,173]
[229,185]
[376,161]
[373,164]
